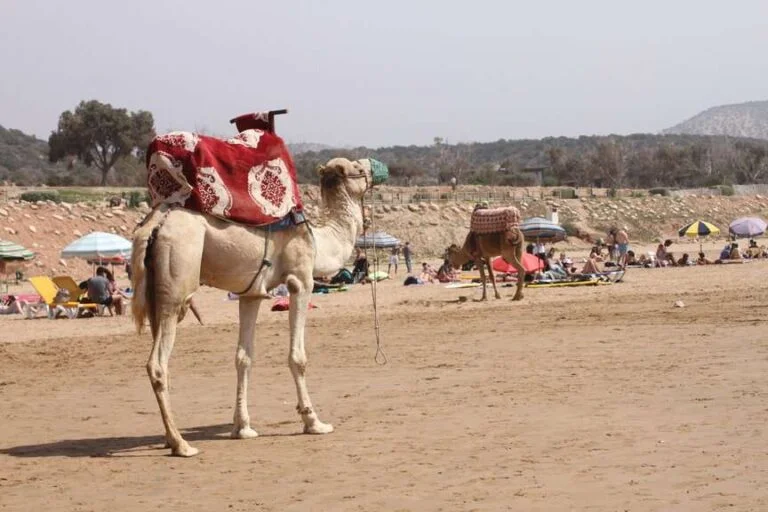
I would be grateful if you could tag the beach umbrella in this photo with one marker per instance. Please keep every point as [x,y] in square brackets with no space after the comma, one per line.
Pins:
[98,245]
[10,251]
[699,229]
[379,239]
[13,257]
[539,228]
[747,227]
[531,263]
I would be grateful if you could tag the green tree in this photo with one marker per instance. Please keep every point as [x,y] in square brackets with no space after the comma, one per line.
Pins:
[100,135]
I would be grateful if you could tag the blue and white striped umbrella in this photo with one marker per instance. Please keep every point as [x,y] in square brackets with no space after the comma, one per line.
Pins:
[98,245]
[379,238]
[539,228]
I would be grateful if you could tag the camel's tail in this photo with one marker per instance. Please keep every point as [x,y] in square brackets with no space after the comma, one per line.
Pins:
[142,279]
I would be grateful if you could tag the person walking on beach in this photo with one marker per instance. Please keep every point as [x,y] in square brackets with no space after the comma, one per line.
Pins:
[407,255]
[394,258]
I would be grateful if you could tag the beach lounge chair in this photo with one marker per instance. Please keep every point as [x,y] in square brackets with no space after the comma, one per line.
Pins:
[69,284]
[47,289]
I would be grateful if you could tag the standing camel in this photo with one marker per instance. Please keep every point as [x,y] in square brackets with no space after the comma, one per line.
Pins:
[176,250]
[492,233]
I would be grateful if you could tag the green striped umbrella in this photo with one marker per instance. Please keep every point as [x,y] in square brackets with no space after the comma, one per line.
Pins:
[12,251]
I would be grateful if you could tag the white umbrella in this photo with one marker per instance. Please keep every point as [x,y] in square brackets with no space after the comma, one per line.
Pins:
[96,245]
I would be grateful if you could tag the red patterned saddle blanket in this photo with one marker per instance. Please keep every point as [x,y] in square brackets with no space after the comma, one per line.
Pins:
[494,220]
[249,178]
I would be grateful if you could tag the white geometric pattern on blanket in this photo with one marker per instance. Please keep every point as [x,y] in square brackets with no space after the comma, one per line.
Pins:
[249,138]
[163,164]
[209,176]
[274,177]
[187,140]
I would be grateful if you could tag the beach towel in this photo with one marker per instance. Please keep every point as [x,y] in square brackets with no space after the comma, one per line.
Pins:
[495,220]
[282,304]
[250,178]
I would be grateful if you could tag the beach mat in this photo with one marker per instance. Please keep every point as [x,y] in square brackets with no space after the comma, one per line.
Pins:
[462,285]
[591,282]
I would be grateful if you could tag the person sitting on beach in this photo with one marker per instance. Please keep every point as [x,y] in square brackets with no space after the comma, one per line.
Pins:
[12,306]
[753,251]
[592,266]
[683,262]
[703,260]
[631,259]
[102,290]
[663,256]
[360,268]
[567,264]
[726,252]
[428,274]
[446,274]
[735,252]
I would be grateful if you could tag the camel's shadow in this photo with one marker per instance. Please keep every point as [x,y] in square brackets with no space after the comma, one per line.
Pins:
[116,446]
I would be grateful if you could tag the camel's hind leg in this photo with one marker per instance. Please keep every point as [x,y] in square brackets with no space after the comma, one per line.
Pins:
[157,368]
[297,359]
[249,311]
[172,276]
[514,256]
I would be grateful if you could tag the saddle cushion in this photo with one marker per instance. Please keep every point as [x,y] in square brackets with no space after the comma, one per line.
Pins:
[494,220]
[249,178]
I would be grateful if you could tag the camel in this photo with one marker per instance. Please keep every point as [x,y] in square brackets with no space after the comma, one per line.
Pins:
[176,250]
[483,246]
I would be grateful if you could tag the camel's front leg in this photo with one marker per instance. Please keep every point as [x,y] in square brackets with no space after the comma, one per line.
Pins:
[297,359]
[493,279]
[481,267]
[249,311]
[517,262]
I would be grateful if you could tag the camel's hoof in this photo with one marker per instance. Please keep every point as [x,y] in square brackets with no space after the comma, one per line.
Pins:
[498,297]
[517,297]
[184,450]
[244,433]
[318,428]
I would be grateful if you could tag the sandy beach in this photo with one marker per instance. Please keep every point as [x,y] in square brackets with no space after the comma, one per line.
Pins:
[591,398]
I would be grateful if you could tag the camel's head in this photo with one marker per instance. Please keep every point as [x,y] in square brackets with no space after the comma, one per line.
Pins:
[353,176]
[456,256]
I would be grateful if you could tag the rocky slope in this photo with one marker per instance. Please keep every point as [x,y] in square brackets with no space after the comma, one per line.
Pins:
[739,120]
[430,225]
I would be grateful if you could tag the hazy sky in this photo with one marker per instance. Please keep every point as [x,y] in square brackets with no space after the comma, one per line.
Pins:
[385,72]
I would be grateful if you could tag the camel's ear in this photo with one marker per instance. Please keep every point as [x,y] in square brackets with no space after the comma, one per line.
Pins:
[320,169]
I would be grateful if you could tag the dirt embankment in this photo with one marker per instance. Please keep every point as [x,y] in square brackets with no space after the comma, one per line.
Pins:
[47,227]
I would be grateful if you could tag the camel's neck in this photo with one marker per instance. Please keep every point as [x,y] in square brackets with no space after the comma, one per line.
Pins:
[336,231]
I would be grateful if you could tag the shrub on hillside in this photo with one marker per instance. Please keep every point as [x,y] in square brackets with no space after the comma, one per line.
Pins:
[659,191]
[136,197]
[725,190]
[47,195]
[565,193]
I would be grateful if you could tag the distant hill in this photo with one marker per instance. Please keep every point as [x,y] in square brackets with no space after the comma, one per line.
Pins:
[740,120]
[630,161]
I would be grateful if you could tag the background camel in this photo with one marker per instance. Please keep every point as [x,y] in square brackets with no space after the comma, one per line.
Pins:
[481,247]
[176,250]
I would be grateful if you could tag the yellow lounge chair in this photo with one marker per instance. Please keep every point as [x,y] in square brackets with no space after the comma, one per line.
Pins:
[46,288]
[69,284]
